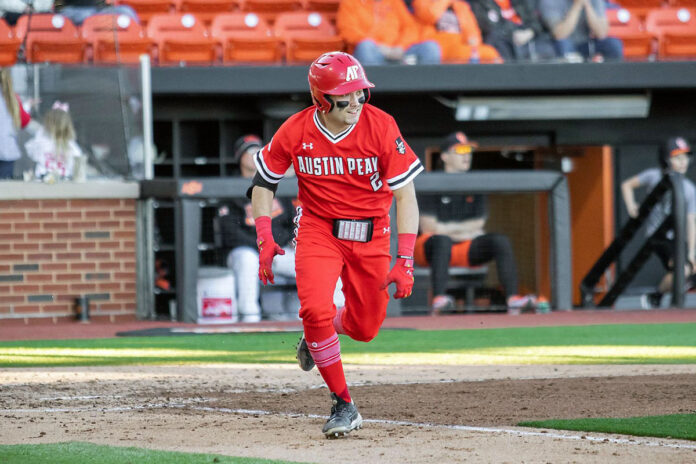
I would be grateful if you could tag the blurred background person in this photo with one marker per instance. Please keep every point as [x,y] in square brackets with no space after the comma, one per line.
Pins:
[514,29]
[384,31]
[11,10]
[452,233]
[237,238]
[674,157]
[12,119]
[580,29]
[79,10]
[237,232]
[53,148]
[452,24]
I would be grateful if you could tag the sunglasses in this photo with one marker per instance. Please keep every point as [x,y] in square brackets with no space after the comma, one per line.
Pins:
[460,149]
[676,153]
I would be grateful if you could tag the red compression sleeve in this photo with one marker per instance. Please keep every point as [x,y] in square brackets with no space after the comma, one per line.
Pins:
[263,228]
[407,242]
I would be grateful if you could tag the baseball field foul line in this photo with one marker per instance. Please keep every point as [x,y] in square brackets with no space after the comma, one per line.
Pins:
[620,441]
[467,428]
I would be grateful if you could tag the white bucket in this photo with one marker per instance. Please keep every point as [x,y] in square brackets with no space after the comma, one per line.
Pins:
[216,301]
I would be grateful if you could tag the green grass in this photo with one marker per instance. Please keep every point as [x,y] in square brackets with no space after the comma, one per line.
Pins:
[673,426]
[597,344]
[87,453]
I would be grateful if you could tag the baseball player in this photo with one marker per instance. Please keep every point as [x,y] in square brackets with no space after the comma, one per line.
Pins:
[350,160]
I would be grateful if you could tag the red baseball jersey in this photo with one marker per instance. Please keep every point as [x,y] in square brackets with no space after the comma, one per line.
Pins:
[349,175]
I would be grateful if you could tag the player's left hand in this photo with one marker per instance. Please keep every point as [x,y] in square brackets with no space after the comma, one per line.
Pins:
[267,251]
[402,275]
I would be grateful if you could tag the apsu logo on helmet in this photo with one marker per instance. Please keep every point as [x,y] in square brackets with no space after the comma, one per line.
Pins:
[336,73]
[352,73]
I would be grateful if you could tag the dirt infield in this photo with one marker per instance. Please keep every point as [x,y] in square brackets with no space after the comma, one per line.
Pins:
[413,414]
[450,414]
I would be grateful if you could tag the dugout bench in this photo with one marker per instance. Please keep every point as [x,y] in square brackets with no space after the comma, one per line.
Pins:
[186,194]
[462,280]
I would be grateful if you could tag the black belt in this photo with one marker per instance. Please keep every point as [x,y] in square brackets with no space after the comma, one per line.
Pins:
[354,230]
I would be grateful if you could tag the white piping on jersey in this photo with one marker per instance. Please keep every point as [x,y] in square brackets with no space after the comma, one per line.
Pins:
[332,138]
[396,182]
[262,169]
[296,221]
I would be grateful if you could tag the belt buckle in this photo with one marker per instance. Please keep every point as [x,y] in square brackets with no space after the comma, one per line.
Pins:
[354,230]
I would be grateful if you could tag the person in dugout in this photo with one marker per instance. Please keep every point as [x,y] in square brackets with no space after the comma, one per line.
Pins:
[452,234]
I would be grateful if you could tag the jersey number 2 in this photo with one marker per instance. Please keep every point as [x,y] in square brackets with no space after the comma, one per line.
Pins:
[375,181]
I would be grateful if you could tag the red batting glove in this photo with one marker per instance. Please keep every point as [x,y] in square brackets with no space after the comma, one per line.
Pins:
[402,272]
[402,275]
[268,248]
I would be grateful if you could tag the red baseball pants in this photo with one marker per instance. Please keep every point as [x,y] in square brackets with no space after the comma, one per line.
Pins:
[321,258]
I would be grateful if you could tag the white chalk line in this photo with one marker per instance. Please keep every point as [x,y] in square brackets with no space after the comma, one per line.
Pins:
[79,398]
[465,428]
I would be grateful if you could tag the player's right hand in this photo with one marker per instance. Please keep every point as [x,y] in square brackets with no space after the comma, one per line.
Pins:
[268,249]
[402,275]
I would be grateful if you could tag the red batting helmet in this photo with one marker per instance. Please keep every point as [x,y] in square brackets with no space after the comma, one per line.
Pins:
[336,73]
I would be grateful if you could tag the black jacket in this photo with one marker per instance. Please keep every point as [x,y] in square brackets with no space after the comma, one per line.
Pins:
[234,226]
[489,16]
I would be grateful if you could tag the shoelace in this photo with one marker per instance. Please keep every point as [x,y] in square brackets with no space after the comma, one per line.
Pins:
[341,410]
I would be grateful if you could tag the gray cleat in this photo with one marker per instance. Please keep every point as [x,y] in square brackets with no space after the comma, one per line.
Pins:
[304,357]
[344,418]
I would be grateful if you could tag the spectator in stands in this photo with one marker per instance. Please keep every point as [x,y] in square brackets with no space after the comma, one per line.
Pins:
[580,27]
[453,25]
[79,10]
[513,28]
[53,147]
[674,157]
[452,234]
[11,10]
[384,31]
[12,118]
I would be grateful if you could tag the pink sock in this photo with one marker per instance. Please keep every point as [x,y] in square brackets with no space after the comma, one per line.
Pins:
[325,349]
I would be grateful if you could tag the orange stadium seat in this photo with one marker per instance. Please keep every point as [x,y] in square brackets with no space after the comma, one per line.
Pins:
[306,35]
[245,38]
[51,37]
[269,9]
[116,39]
[181,38]
[641,8]
[206,10]
[638,44]
[642,3]
[9,44]
[146,9]
[328,8]
[675,29]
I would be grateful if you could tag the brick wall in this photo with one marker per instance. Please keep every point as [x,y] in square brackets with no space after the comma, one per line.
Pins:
[52,251]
